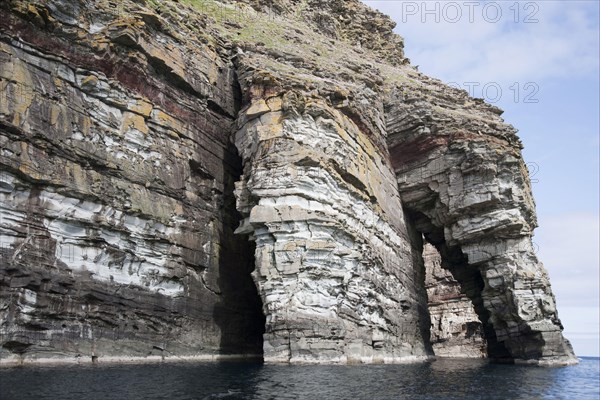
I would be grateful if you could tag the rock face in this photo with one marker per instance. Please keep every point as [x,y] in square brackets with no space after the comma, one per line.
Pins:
[456,330]
[198,179]
[117,191]
[333,256]
[464,184]
[331,243]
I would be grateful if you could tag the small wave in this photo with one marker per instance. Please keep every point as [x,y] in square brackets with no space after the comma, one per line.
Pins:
[229,395]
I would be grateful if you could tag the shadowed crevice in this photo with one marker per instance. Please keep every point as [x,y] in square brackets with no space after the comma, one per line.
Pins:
[239,313]
[469,277]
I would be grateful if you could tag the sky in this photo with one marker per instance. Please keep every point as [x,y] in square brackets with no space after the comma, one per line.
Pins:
[538,61]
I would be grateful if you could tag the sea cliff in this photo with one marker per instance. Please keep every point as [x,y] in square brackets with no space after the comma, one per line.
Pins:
[204,180]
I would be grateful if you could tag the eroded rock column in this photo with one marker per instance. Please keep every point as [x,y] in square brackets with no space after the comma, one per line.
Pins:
[463,180]
[333,262]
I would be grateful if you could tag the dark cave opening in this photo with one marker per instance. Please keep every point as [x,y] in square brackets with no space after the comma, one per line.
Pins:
[469,278]
[239,314]
[416,242]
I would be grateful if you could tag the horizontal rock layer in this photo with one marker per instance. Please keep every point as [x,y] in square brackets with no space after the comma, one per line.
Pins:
[333,263]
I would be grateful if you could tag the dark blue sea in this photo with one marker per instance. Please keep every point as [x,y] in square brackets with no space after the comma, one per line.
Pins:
[442,379]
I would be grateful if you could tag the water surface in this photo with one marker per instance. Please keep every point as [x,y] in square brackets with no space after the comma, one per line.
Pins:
[442,379]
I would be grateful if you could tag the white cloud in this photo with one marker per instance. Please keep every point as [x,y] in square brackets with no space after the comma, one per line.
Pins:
[563,43]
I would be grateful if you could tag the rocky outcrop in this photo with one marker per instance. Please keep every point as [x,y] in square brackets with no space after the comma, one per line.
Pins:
[463,181]
[333,257]
[116,191]
[331,247]
[456,330]
[197,179]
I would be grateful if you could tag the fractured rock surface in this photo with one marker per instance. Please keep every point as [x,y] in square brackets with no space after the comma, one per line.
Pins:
[331,247]
[136,137]
[117,193]
[463,181]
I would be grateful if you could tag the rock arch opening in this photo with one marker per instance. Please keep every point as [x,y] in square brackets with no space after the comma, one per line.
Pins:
[494,262]
[462,178]
[456,329]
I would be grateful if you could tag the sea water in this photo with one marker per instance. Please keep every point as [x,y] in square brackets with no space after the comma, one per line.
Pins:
[442,379]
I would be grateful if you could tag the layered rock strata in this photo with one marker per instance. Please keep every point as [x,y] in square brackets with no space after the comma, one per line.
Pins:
[137,136]
[462,179]
[331,247]
[116,191]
